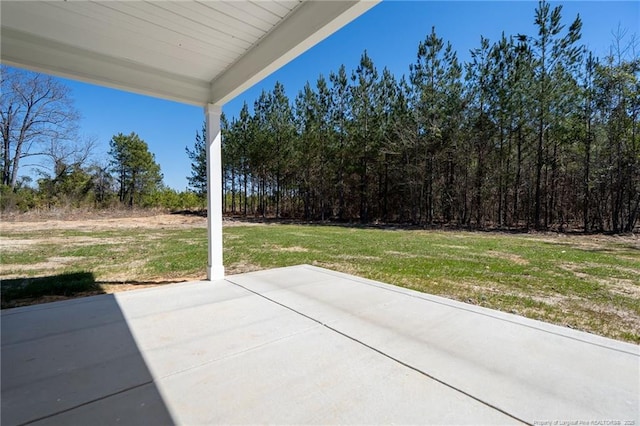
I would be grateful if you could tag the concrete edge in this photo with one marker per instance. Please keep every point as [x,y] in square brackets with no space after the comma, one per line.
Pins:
[583,336]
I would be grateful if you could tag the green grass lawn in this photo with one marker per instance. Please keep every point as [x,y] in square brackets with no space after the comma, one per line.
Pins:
[590,283]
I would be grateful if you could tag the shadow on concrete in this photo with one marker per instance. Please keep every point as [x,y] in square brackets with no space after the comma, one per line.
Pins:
[37,290]
[75,362]
[67,284]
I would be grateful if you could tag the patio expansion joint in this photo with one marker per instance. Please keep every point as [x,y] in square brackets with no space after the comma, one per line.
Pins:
[384,354]
[66,410]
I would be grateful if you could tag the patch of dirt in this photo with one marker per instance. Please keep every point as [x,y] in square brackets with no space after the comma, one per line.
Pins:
[241,268]
[292,249]
[626,288]
[99,222]
[590,242]
[610,317]
[340,267]
[554,299]
[302,235]
[162,221]
[10,244]
[401,254]
[232,221]
[452,246]
[517,259]
[356,257]
[9,271]
[296,249]
[128,270]
[574,268]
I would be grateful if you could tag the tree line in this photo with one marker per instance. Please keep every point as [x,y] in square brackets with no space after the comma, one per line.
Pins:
[39,126]
[533,131]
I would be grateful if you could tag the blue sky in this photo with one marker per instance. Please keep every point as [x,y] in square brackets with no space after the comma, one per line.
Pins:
[390,32]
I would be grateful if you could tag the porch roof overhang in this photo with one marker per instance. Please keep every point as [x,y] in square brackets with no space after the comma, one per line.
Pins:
[194,52]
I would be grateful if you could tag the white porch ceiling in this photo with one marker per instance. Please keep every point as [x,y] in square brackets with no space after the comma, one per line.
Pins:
[196,52]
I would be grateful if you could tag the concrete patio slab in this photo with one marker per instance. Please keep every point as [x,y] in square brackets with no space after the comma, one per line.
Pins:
[304,345]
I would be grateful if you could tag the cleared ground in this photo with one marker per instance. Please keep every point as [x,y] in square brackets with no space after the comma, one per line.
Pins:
[591,283]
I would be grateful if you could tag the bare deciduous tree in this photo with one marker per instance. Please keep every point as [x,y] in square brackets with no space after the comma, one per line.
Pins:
[37,112]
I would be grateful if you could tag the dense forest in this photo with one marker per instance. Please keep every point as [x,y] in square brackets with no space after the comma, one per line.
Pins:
[534,132]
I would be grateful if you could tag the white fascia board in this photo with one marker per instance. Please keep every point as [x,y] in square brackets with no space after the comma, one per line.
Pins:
[47,56]
[310,23]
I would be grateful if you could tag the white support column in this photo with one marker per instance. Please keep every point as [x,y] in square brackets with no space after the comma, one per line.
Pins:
[215,268]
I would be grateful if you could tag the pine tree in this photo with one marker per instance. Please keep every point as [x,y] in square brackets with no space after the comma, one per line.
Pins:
[198,156]
[339,113]
[436,102]
[556,55]
[365,134]
[137,172]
